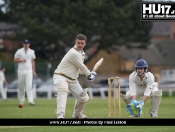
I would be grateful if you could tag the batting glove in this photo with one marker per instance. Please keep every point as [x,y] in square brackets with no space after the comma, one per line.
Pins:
[93,73]
[91,78]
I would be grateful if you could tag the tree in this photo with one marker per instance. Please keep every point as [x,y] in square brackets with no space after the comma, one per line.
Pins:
[52,25]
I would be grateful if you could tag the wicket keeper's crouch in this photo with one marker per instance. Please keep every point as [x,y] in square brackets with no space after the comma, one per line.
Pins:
[142,84]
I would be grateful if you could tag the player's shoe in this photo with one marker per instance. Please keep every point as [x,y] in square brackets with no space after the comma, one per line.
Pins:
[153,114]
[81,116]
[32,103]
[60,116]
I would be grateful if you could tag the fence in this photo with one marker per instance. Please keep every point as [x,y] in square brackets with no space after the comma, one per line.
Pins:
[44,69]
[50,92]
[102,91]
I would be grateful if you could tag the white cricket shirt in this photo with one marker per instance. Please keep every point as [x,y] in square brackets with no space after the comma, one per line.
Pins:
[72,64]
[136,84]
[29,56]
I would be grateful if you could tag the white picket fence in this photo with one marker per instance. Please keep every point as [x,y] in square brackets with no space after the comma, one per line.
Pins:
[49,92]
[102,91]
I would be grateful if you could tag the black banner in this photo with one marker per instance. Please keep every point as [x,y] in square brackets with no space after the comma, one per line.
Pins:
[157,11]
[88,122]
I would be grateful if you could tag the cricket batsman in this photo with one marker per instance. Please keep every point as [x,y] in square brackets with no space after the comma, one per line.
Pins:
[142,84]
[65,79]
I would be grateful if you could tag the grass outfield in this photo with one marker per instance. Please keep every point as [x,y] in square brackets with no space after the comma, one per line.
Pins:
[95,108]
[90,129]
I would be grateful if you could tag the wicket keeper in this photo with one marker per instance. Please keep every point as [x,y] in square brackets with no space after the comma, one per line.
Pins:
[142,84]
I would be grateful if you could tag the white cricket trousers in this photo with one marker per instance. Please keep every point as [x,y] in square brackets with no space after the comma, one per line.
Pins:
[2,92]
[25,83]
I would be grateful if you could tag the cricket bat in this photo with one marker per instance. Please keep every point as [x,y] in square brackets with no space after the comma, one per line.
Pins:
[96,66]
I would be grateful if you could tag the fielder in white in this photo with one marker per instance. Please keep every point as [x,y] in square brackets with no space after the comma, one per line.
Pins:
[2,81]
[65,79]
[142,84]
[26,69]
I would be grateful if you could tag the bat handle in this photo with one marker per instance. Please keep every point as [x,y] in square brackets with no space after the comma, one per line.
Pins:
[93,70]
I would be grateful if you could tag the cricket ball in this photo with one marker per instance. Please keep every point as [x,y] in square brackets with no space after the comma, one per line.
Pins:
[20,105]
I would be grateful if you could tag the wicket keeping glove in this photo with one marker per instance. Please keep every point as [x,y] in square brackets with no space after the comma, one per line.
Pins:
[139,106]
[133,110]
[129,110]
[140,103]
[131,107]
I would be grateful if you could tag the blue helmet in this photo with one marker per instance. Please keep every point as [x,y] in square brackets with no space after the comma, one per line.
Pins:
[141,63]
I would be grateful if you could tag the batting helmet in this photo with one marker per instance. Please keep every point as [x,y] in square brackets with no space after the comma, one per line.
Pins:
[141,63]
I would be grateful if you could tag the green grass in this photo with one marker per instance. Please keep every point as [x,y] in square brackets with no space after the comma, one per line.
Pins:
[90,129]
[95,108]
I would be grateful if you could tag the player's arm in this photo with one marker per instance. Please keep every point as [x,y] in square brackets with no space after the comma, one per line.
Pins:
[144,98]
[77,61]
[132,86]
[149,85]
[2,76]
[33,68]
[19,60]
[147,90]
[81,73]
[5,81]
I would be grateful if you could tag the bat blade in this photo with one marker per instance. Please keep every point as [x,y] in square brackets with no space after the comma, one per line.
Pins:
[96,66]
